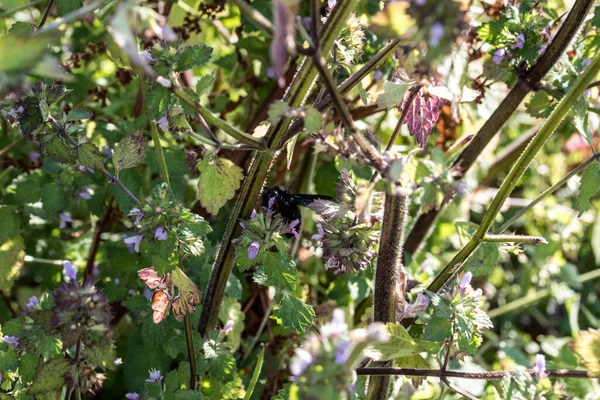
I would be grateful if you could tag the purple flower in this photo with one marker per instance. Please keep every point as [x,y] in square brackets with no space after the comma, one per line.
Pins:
[270,72]
[134,241]
[95,269]
[117,281]
[321,234]
[34,157]
[340,353]
[147,293]
[106,150]
[519,42]
[243,225]
[64,218]
[146,57]
[586,62]
[253,214]
[292,228]
[33,300]
[118,361]
[155,376]
[377,75]
[419,2]
[499,56]
[131,292]
[227,328]
[85,193]
[253,250]
[465,283]
[436,34]
[337,326]
[160,233]
[137,213]
[1,377]
[302,360]
[540,367]
[163,122]
[132,396]
[13,341]
[69,271]
[271,204]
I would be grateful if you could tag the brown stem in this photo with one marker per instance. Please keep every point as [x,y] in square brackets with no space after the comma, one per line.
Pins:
[488,375]
[101,226]
[46,14]
[11,146]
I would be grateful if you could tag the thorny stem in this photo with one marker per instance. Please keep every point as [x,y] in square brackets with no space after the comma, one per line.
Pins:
[257,172]
[488,375]
[46,14]
[492,126]
[160,155]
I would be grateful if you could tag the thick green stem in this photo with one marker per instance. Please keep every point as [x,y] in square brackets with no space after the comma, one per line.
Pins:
[160,156]
[390,275]
[259,168]
[539,295]
[516,173]
[255,374]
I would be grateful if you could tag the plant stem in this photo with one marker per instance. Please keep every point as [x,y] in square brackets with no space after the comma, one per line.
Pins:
[537,296]
[259,168]
[160,155]
[189,339]
[390,275]
[547,193]
[254,16]
[46,14]
[255,374]
[32,259]
[72,16]
[8,13]
[492,126]
[514,239]
[11,146]
[488,375]
[516,173]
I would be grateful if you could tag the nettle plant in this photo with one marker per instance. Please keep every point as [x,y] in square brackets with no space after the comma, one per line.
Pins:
[154,245]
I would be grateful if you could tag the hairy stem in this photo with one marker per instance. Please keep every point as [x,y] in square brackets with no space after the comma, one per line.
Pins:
[189,340]
[255,374]
[489,375]
[514,239]
[46,13]
[160,155]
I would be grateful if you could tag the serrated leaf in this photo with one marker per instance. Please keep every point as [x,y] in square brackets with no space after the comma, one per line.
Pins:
[12,253]
[79,114]
[581,121]
[158,100]
[11,223]
[392,95]
[152,334]
[67,6]
[193,56]
[219,179]
[313,120]
[137,304]
[27,366]
[59,149]
[223,367]
[30,120]
[293,313]
[588,187]
[49,376]
[89,156]
[422,115]
[415,361]
[401,344]
[278,270]
[278,110]
[54,199]
[205,83]
[587,347]
[19,28]
[438,330]
[129,152]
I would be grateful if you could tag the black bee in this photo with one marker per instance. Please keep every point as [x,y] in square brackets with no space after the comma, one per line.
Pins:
[287,204]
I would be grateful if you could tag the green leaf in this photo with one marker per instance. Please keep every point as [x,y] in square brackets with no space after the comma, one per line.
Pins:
[59,149]
[223,367]
[219,179]
[393,94]
[137,304]
[193,56]
[27,365]
[67,6]
[129,152]
[589,186]
[293,313]
[13,56]
[205,83]
[540,105]
[12,253]
[22,28]
[49,376]
[278,270]
[438,330]
[312,120]
[363,93]
[414,361]
[158,100]
[78,114]
[401,344]
[53,198]
[89,156]
[581,121]
[587,347]
[278,110]
[11,223]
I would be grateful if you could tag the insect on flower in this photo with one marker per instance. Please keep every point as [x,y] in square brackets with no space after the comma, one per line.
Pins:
[287,204]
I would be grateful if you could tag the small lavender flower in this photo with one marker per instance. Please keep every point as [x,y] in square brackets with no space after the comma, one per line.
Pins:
[33,300]
[95,269]
[117,281]
[12,340]
[292,228]
[155,376]
[340,353]
[586,62]
[34,157]
[321,234]
[302,360]
[163,123]
[146,57]
[134,241]
[271,204]
[160,233]
[270,72]
[228,328]
[69,271]
[106,150]
[118,361]
[420,3]
[131,292]
[64,218]
[465,283]
[243,225]
[436,34]
[253,214]
[540,367]
[132,396]
[147,293]
[138,214]
[85,193]
[337,326]
[519,42]
[377,75]
[499,56]
[253,250]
